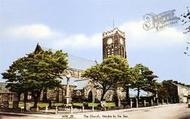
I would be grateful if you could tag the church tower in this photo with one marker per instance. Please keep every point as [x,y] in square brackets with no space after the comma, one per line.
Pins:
[114,43]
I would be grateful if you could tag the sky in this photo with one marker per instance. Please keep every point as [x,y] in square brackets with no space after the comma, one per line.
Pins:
[76,27]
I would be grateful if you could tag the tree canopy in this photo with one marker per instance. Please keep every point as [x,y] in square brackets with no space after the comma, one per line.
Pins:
[36,71]
[108,74]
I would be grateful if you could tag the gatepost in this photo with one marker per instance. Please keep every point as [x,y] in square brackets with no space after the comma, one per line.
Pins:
[56,110]
[131,103]
[46,109]
[137,103]
[82,108]
[188,100]
[144,102]
[103,105]
[162,101]
[151,101]
[71,109]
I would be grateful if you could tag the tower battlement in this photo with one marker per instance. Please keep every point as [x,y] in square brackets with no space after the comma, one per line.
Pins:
[114,43]
[112,32]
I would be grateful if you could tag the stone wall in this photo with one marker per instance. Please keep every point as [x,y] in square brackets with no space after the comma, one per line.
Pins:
[183,92]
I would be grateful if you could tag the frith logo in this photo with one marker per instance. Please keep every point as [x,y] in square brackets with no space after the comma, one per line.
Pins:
[160,21]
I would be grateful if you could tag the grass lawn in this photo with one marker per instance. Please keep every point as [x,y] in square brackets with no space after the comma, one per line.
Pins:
[110,104]
[89,104]
[58,104]
[40,104]
[78,104]
[93,104]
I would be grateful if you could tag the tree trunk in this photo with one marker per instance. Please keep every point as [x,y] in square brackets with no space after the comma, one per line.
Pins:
[138,93]
[44,99]
[35,103]
[102,96]
[115,97]
[36,97]
[57,95]
[50,104]
[19,94]
[127,98]
[25,99]
[16,100]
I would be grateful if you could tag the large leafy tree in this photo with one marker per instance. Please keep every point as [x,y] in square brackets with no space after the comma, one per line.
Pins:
[117,69]
[144,79]
[15,81]
[99,78]
[109,74]
[36,71]
[127,82]
[151,83]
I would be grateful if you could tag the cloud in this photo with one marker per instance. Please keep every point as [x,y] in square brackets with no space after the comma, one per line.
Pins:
[33,31]
[39,32]
[79,41]
[136,37]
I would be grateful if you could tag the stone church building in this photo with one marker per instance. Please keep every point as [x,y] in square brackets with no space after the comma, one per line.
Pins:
[76,88]
[113,43]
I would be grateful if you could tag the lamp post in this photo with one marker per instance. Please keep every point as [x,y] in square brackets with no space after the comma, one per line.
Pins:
[68,76]
[188,101]
[127,94]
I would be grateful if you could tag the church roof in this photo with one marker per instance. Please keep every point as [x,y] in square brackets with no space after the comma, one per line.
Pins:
[74,63]
[80,84]
[79,63]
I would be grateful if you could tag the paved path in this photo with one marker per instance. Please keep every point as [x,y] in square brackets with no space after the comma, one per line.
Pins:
[172,111]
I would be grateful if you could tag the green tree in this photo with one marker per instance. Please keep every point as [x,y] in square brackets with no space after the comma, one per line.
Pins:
[15,82]
[151,83]
[37,71]
[127,82]
[144,79]
[99,78]
[109,74]
[117,69]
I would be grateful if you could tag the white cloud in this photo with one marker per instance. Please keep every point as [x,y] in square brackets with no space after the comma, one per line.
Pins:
[56,39]
[136,37]
[33,31]
[79,41]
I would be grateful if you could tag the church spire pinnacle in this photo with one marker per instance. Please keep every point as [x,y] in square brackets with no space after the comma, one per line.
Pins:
[38,48]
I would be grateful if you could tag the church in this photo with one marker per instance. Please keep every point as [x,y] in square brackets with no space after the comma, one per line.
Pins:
[78,89]
[81,89]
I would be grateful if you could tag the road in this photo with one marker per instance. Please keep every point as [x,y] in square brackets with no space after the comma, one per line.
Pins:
[172,111]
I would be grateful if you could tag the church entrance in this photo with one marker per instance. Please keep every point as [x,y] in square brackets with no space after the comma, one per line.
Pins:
[90,96]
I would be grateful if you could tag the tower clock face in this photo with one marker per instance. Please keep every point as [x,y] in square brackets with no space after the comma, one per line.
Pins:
[121,41]
[109,41]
